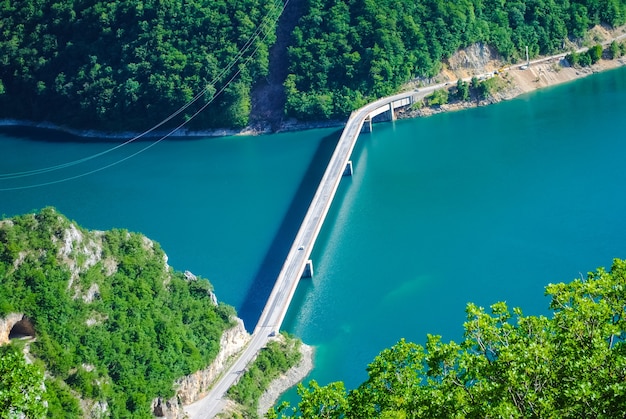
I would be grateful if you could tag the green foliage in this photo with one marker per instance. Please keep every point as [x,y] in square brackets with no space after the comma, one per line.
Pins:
[21,386]
[61,402]
[462,90]
[486,88]
[571,365]
[328,402]
[573,58]
[144,326]
[614,50]
[367,49]
[438,98]
[586,58]
[277,358]
[128,65]
[595,53]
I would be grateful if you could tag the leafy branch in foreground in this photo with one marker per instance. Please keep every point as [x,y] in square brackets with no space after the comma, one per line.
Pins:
[21,386]
[508,364]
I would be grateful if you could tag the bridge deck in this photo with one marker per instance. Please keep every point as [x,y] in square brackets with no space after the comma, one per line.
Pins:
[278,302]
[287,281]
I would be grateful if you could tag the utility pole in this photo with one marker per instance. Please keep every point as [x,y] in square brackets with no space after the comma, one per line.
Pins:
[525,66]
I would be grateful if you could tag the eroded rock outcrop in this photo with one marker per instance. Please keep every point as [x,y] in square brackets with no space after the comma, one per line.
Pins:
[477,58]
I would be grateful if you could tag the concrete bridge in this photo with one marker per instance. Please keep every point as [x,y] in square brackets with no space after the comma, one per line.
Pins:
[298,264]
[387,111]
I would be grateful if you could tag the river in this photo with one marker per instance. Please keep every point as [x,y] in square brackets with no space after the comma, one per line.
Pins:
[483,205]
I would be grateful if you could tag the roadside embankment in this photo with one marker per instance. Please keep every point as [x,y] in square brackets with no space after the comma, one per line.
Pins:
[518,82]
[542,72]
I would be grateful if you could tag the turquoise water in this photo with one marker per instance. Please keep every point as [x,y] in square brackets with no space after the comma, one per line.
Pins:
[220,207]
[482,205]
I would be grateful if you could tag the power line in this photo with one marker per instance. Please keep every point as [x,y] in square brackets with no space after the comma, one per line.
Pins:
[267,21]
[169,134]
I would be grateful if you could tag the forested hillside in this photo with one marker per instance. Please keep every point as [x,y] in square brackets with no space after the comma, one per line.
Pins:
[121,65]
[128,65]
[112,321]
[570,365]
[346,52]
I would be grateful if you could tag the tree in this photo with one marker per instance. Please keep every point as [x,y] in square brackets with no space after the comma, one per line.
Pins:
[614,51]
[327,402]
[128,65]
[573,58]
[438,97]
[508,365]
[462,90]
[584,59]
[21,386]
[595,53]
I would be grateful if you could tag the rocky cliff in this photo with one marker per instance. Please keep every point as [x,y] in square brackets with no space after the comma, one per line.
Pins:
[87,270]
[188,389]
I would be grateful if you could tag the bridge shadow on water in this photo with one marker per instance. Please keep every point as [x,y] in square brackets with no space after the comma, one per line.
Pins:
[272,263]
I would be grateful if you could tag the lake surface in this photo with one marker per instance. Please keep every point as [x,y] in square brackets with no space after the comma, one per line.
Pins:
[484,205]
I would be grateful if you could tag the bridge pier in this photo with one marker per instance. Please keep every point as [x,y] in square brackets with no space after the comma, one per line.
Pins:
[367,125]
[390,113]
[348,170]
[308,269]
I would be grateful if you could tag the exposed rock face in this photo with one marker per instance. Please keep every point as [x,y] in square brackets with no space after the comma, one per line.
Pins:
[193,387]
[74,242]
[80,250]
[476,58]
[11,321]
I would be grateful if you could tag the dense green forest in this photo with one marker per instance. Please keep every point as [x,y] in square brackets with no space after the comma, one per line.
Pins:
[128,65]
[112,321]
[569,365]
[346,52]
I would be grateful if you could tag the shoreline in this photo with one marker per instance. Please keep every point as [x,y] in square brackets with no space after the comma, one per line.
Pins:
[551,71]
[538,76]
[286,381]
[276,388]
[519,82]
[290,126]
